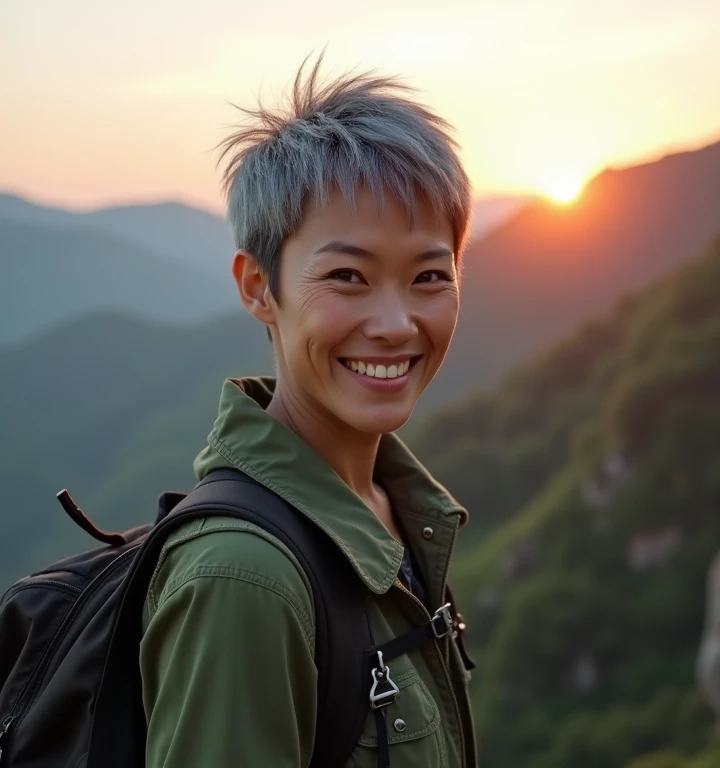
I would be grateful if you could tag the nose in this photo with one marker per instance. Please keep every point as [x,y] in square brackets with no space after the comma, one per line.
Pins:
[391,320]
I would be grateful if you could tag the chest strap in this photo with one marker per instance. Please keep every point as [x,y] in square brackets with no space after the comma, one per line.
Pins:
[384,691]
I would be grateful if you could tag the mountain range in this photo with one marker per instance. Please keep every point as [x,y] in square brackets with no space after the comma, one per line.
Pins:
[165,262]
[591,471]
[179,231]
[540,269]
[550,266]
[116,403]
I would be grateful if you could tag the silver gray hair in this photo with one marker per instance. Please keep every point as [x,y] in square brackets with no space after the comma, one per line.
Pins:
[360,129]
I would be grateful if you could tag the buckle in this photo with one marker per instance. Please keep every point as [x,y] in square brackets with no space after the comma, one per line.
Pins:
[384,691]
[443,613]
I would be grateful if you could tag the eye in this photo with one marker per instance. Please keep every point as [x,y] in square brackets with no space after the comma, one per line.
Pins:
[346,276]
[433,276]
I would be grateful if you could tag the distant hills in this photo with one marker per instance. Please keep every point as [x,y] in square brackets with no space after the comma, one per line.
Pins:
[542,269]
[550,266]
[163,263]
[167,262]
[115,408]
[197,237]
[122,389]
[175,230]
[50,274]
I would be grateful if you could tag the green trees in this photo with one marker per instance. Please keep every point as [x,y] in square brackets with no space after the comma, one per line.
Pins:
[594,477]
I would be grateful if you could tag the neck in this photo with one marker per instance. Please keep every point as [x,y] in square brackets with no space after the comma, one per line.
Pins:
[351,454]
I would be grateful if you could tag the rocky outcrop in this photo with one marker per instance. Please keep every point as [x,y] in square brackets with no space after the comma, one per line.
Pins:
[521,559]
[584,675]
[652,548]
[612,475]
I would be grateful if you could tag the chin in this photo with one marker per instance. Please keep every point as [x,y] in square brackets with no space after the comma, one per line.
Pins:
[376,422]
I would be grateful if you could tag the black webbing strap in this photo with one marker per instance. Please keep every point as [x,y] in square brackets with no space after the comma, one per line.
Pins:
[382,737]
[384,691]
[440,625]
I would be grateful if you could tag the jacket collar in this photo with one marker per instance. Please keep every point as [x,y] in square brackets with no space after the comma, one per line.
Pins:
[246,437]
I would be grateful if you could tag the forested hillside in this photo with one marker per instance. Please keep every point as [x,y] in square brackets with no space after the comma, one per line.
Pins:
[585,607]
[115,409]
[592,475]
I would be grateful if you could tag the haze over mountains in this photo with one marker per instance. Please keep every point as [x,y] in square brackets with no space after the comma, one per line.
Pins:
[530,279]
[194,236]
[164,262]
[533,270]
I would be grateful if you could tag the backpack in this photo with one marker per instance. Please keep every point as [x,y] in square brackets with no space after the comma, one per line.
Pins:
[70,636]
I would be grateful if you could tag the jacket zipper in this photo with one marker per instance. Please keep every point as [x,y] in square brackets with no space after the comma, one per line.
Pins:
[446,671]
[32,687]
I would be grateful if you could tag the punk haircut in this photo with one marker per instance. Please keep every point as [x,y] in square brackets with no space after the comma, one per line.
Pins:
[359,129]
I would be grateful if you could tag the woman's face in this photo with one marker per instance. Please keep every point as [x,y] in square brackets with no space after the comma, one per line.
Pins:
[367,309]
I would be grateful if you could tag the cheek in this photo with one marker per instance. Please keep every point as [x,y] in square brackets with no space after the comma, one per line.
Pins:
[323,318]
[439,319]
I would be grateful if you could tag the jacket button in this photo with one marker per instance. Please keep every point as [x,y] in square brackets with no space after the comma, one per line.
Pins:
[399,725]
[428,532]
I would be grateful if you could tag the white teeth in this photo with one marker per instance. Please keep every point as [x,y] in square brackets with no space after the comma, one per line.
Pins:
[378,371]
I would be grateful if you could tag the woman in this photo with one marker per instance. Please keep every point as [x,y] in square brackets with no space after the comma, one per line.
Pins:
[349,213]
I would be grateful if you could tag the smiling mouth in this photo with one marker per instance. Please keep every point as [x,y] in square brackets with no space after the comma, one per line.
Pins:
[379,370]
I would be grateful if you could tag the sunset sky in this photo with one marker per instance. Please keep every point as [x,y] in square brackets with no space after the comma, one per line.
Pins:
[107,102]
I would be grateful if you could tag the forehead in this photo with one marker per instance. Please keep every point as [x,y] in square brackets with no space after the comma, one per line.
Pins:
[368,217]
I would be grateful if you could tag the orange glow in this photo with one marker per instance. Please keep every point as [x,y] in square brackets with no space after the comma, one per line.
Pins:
[542,100]
[564,187]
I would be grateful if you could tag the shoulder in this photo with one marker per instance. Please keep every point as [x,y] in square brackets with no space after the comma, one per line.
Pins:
[209,550]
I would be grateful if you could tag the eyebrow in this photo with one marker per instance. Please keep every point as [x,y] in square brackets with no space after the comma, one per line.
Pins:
[338,246]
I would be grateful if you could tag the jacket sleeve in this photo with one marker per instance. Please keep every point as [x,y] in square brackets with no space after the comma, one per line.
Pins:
[228,672]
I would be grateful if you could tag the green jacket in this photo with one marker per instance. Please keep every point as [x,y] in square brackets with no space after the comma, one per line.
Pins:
[220,691]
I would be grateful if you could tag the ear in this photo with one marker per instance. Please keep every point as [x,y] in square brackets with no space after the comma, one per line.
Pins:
[253,288]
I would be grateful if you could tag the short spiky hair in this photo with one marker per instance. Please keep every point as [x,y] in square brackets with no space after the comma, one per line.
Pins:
[358,129]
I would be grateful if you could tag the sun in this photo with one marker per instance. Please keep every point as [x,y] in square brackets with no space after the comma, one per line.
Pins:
[564,187]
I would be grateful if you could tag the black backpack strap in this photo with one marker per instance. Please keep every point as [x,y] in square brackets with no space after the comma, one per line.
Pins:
[342,628]
[342,635]
[384,691]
